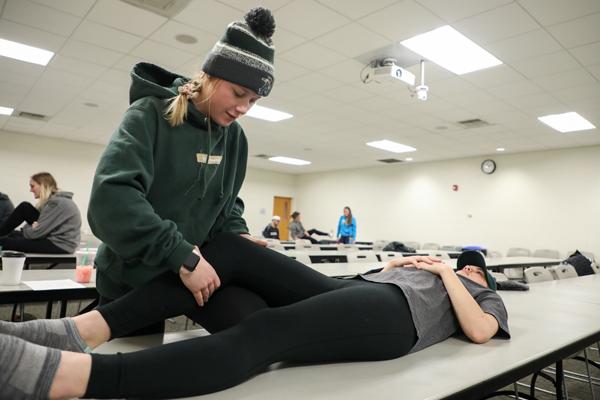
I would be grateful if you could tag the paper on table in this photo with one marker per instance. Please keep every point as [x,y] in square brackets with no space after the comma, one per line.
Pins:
[53,284]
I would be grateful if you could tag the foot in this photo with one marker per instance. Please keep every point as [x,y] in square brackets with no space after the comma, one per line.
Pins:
[60,334]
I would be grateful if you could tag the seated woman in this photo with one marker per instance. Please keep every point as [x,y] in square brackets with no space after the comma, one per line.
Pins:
[53,224]
[297,230]
[410,304]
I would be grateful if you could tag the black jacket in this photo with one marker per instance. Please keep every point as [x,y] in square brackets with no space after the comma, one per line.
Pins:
[6,207]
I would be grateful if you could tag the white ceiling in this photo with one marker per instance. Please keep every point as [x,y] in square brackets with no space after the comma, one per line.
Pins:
[550,50]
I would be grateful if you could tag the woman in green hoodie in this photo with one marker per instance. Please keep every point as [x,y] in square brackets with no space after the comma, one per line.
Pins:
[169,179]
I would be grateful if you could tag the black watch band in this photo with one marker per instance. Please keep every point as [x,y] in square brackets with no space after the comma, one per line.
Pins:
[191,261]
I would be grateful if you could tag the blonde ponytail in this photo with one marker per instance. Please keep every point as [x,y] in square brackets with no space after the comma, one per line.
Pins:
[178,106]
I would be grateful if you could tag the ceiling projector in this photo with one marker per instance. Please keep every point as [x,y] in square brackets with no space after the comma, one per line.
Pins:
[386,70]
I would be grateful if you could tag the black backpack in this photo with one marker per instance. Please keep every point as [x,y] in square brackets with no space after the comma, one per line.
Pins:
[398,247]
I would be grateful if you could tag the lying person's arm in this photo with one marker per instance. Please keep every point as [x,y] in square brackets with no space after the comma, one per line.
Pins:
[411,261]
[476,324]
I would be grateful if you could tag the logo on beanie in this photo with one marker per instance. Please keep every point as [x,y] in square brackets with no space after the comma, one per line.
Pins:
[266,86]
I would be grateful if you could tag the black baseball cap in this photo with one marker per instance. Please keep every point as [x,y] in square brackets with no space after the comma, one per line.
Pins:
[476,259]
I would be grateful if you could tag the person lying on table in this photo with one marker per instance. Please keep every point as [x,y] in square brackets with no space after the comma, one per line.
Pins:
[410,304]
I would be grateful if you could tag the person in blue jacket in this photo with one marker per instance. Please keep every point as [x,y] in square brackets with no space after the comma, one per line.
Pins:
[346,232]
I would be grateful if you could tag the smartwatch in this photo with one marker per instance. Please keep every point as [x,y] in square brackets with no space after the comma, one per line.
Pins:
[191,261]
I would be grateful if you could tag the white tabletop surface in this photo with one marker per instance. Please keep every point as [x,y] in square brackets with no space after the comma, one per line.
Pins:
[42,274]
[548,317]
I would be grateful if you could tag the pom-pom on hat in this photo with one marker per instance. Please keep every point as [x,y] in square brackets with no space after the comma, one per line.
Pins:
[245,53]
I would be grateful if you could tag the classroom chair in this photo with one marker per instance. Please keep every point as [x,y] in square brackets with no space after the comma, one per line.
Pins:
[563,271]
[430,246]
[389,255]
[362,256]
[518,252]
[546,253]
[537,274]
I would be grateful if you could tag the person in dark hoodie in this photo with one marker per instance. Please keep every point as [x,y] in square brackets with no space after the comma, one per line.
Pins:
[169,179]
[6,207]
[53,225]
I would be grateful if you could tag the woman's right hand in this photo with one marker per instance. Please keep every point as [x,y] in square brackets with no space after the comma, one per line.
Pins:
[202,281]
[409,261]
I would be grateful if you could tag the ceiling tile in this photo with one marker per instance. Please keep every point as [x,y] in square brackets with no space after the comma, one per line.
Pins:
[552,12]
[595,70]
[494,76]
[90,53]
[546,64]
[347,71]
[352,40]
[160,54]
[354,9]
[40,17]
[524,46]
[401,21]
[492,25]
[211,16]
[285,40]
[285,71]
[75,7]
[514,89]
[30,36]
[348,93]
[76,67]
[565,79]
[245,5]
[308,18]
[588,54]
[454,10]
[578,93]
[312,56]
[316,82]
[577,32]
[166,35]
[120,15]
[106,37]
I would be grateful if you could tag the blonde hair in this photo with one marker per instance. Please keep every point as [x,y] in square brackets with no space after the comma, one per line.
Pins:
[47,187]
[178,105]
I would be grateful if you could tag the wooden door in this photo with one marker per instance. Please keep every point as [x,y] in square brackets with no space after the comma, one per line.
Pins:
[282,206]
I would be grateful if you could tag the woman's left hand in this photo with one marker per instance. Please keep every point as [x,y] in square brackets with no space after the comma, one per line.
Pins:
[412,261]
[260,242]
[34,224]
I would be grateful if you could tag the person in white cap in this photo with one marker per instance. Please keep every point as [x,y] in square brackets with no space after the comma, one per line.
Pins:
[271,231]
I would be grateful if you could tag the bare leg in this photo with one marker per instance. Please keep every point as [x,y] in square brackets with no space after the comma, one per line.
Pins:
[92,328]
[72,376]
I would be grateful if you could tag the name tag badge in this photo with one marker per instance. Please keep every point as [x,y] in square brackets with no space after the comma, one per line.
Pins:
[203,158]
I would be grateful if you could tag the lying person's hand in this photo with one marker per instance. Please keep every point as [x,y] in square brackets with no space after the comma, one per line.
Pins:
[435,268]
[202,281]
[260,242]
[411,261]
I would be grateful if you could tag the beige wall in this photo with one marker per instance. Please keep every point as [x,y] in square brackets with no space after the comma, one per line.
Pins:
[537,200]
[73,165]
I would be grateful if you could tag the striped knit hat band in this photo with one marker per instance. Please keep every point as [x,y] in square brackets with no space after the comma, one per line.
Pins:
[244,56]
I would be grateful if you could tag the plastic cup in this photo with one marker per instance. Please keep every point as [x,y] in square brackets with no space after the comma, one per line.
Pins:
[84,267]
[83,273]
[12,267]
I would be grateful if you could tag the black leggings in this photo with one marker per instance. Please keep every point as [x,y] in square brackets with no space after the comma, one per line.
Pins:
[25,212]
[313,318]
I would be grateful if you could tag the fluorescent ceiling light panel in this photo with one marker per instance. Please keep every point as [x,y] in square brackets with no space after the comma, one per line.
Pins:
[267,113]
[394,147]
[25,53]
[6,110]
[500,149]
[289,160]
[567,122]
[452,50]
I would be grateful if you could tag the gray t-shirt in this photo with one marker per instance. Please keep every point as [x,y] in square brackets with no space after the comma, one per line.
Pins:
[430,304]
